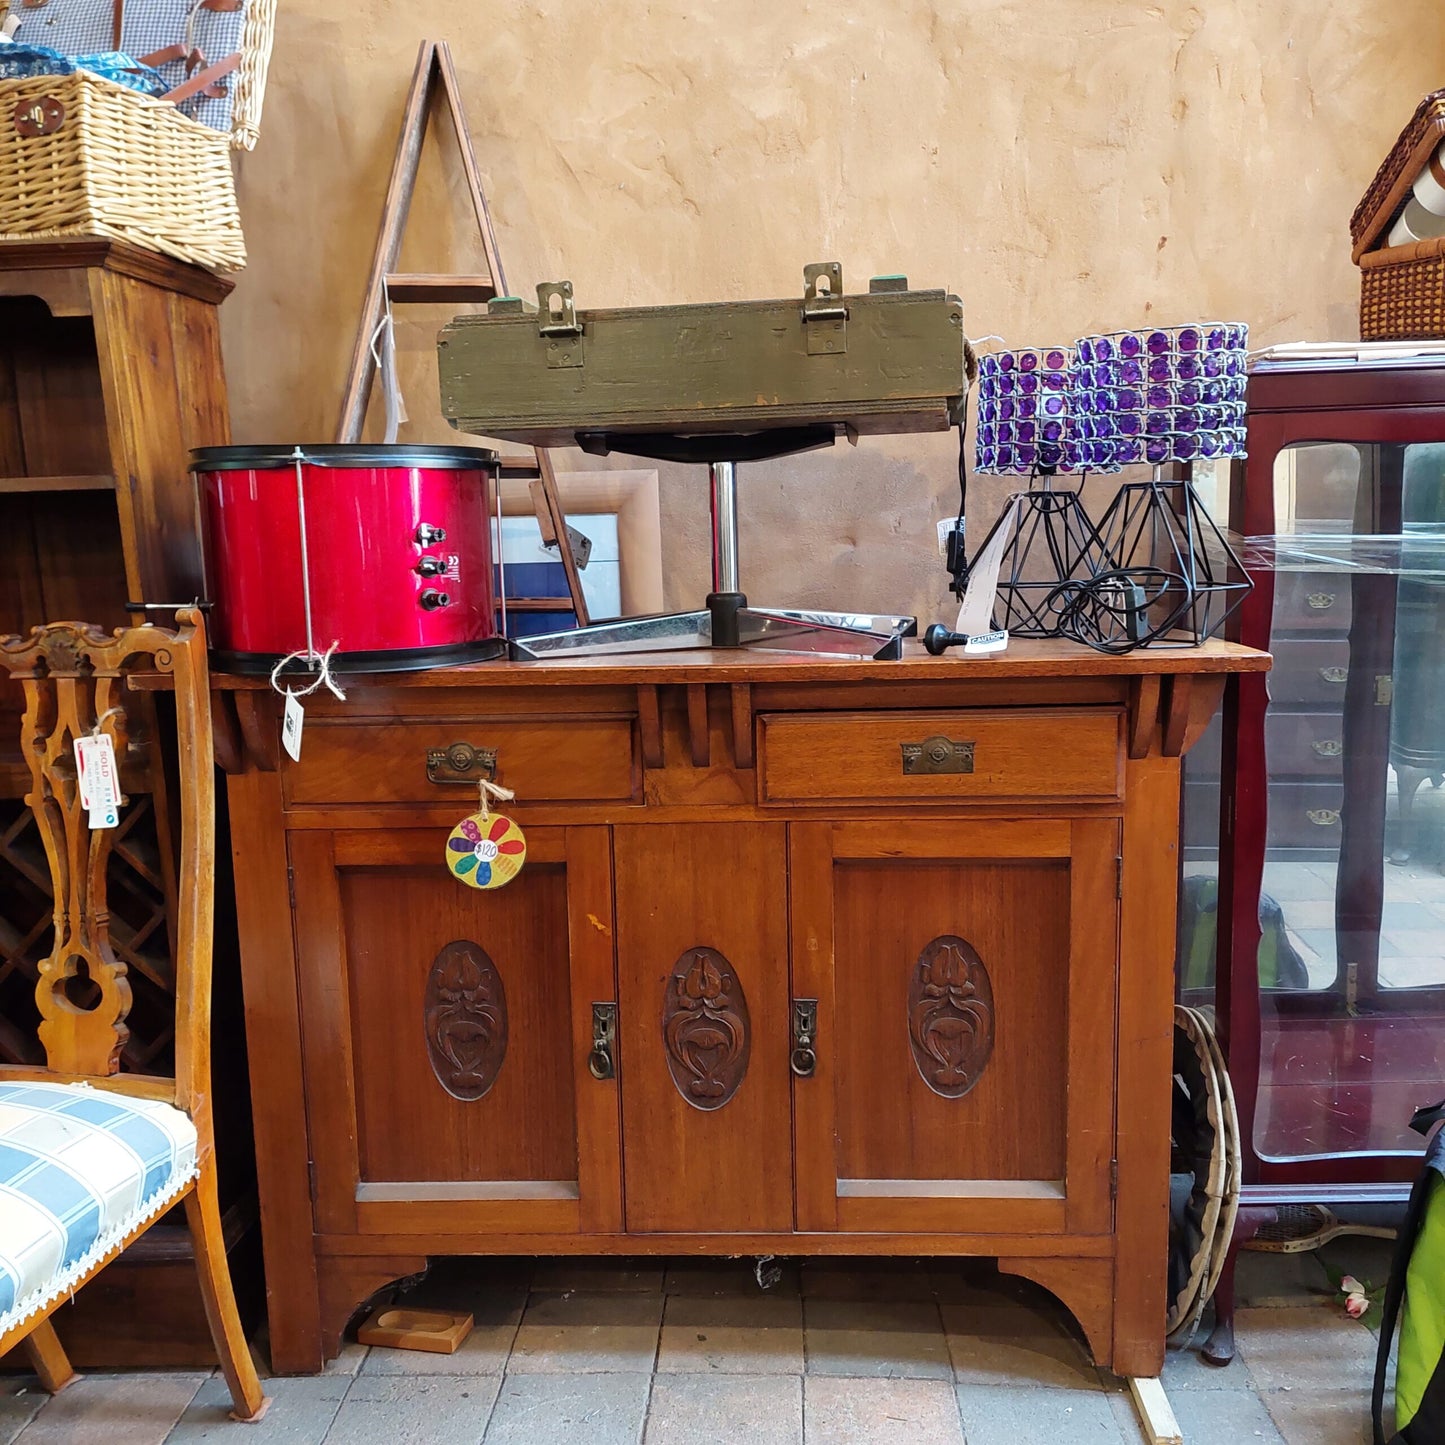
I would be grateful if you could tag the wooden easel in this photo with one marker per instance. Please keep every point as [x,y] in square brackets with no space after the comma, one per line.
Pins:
[387,287]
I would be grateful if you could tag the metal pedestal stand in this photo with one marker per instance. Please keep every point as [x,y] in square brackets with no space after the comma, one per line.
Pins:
[726,620]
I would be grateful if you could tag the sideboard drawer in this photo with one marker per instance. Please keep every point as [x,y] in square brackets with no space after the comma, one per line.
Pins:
[573,759]
[1073,753]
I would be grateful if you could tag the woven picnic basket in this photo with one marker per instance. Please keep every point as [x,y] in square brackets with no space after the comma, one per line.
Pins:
[83,156]
[1402,288]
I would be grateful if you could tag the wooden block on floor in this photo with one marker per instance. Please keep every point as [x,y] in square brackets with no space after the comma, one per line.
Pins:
[1155,1413]
[438,1332]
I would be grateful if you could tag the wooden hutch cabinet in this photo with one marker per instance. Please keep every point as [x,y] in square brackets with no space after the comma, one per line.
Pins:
[806,957]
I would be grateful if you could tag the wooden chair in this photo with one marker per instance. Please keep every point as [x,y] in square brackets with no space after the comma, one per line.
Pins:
[89,1157]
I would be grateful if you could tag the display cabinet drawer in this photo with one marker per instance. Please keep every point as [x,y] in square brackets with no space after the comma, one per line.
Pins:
[1073,753]
[1306,745]
[1311,601]
[1305,815]
[1310,673]
[571,759]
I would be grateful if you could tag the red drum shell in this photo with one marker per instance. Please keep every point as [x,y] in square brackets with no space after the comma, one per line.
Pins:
[368,510]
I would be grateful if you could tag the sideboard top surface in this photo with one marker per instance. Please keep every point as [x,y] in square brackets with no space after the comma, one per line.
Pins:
[1024,659]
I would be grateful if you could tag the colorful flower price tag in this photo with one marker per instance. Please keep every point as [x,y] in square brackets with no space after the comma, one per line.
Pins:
[486,850]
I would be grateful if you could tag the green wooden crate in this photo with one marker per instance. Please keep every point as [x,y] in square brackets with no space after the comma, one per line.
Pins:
[891,360]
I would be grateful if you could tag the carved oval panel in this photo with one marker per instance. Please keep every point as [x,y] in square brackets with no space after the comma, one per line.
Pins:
[465,1010]
[705,1028]
[950,1016]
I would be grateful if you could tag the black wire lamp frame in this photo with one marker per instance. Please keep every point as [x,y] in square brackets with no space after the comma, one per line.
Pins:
[1054,553]
[1173,578]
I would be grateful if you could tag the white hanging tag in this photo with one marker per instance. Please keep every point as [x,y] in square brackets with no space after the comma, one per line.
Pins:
[975,615]
[98,779]
[383,351]
[291,719]
[83,754]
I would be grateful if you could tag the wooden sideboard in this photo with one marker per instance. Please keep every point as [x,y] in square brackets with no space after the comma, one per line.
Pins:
[807,957]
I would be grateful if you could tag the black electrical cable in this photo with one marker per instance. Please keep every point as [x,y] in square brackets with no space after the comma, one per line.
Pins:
[957,553]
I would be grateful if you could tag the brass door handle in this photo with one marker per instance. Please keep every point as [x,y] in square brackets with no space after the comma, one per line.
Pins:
[1335,674]
[602,1061]
[1323,817]
[804,1059]
[1319,601]
[1327,747]
[461,763]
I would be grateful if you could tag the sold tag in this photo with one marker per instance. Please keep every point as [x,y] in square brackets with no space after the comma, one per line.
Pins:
[291,719]
[98,779]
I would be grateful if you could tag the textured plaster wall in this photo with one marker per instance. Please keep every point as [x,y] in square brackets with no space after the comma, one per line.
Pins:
[1063,165]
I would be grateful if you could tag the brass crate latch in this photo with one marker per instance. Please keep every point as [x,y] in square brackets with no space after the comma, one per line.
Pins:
[825,317]
[557,324]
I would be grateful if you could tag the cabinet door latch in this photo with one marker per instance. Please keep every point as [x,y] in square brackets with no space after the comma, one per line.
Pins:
[804,1061]
[602,1061]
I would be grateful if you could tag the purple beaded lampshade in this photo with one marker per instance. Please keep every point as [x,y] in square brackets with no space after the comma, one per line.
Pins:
[1023,411]
[1025,428]
[1166,394]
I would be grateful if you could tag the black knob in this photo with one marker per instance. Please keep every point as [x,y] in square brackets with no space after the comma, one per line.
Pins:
[431,599]
[426,534]
[428,566]
[938,639]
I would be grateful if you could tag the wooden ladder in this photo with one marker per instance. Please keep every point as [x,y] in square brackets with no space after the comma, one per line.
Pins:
[386,286]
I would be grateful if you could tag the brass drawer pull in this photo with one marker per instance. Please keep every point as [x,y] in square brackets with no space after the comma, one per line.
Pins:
[1319,601]
[461,763]
[1328,747]
[937,755]
[1335,674]
[1323,817]
[601,1062]
[804,1060]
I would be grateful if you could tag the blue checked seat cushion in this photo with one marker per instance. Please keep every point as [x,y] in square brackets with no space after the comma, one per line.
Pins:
[80,1168]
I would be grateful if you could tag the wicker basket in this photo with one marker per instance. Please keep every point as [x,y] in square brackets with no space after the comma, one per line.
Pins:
[1402,288]
[1402,292]
[250,93]
[1390,188]
[80,156]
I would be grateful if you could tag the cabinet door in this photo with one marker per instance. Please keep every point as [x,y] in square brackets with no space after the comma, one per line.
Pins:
[447,1034]
[702,953]
[964,974]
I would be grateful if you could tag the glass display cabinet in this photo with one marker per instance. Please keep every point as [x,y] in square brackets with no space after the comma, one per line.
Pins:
[1313,898]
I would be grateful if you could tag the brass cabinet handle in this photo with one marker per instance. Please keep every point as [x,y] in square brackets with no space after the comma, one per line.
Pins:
[461,763]
[1323,817]
[804,1060]
[937,755]
[1319,601]
[1328,747]
[602,1062]
[1335,674]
